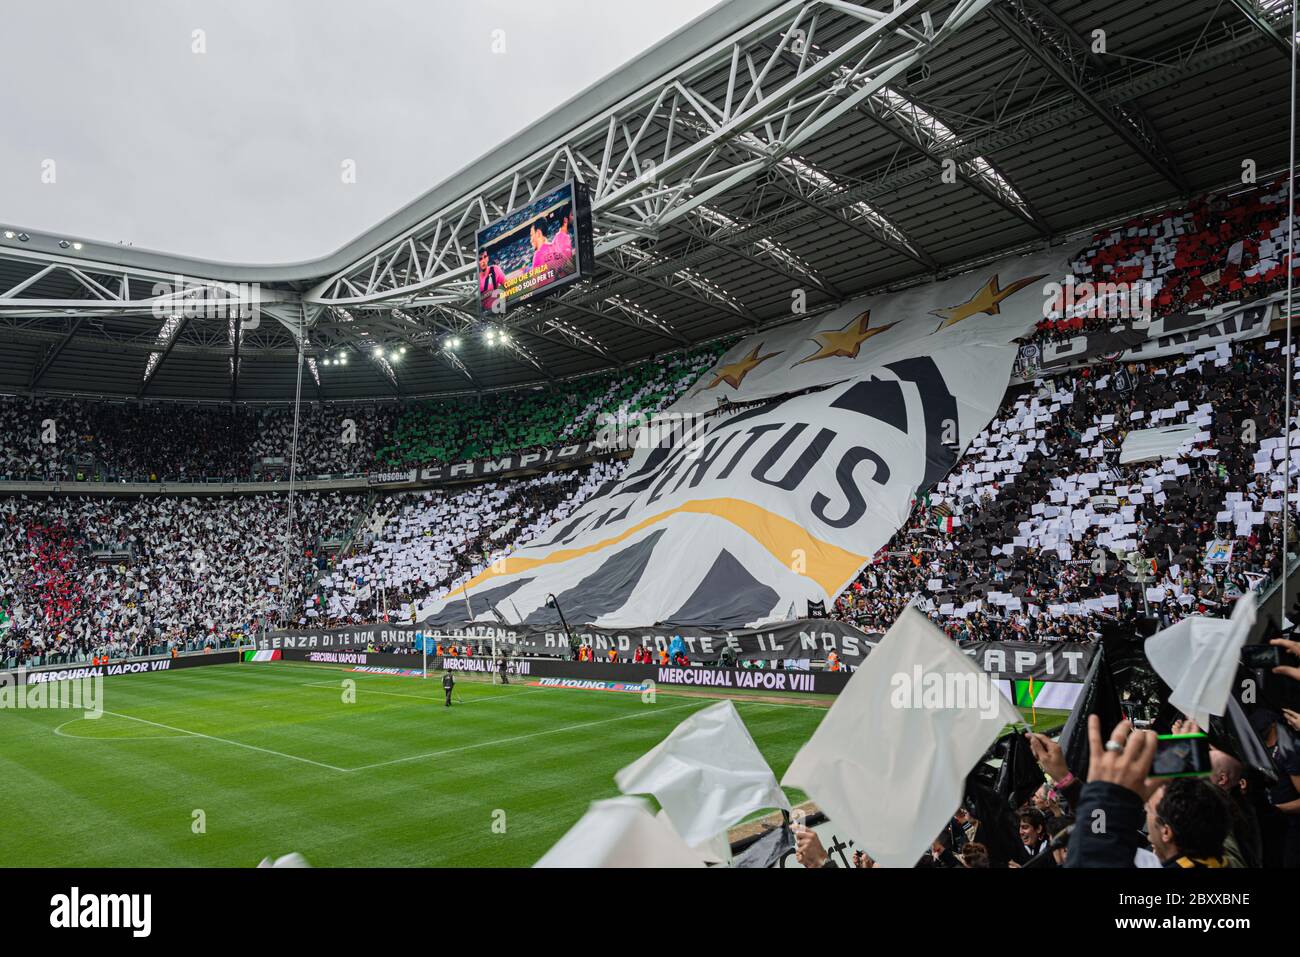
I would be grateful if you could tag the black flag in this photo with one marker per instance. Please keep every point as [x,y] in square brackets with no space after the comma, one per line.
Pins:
[1097,697]
[998,825]
[1232,733]
[769,850]
[1019,775]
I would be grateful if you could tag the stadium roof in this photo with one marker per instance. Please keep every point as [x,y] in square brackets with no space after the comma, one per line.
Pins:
[768,147]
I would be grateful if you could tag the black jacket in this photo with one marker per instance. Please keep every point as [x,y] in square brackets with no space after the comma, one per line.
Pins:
[447,681]
[1107,832]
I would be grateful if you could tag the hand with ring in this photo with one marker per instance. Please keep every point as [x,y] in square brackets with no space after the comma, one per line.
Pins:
[1125,759]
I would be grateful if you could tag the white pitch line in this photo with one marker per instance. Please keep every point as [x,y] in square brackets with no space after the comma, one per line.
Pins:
[112,737]
[238,744]
[522,737]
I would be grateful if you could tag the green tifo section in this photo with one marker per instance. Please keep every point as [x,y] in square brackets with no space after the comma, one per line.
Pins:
[496,424]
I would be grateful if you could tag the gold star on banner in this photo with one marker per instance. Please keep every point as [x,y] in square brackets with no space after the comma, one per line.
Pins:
[845,342]
[734,373]
[985,301]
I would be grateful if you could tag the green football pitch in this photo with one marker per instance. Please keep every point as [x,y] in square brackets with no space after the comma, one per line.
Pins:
[226,765]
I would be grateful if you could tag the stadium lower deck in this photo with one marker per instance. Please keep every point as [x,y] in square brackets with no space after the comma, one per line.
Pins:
[230,764]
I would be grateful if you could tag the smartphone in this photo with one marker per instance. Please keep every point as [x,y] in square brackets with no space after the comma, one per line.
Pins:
[1261,656]
[1181,756]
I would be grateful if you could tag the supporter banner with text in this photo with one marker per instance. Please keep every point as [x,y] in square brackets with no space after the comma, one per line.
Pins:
[1167,336]
[498,467]
[1057,661]
[1027,691]
[806,639]
[800,639]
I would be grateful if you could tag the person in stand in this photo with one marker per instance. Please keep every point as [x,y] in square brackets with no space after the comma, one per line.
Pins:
[448,682]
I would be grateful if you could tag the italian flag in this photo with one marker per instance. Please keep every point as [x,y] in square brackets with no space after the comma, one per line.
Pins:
[5,621]
[266,655]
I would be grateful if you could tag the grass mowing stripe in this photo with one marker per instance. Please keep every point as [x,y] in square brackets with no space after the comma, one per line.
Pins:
[213,737]
[520,737]
[131,804]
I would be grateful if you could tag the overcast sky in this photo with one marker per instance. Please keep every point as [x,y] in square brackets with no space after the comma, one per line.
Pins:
[234,154]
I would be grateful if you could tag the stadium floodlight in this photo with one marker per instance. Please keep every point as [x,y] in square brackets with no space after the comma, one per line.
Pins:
[379,353]
[401,351]
[76,245]
[9,234]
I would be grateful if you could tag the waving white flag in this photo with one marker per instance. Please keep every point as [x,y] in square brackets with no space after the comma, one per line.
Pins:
[707,774]
[620,832]
[1198,659]
[888,763]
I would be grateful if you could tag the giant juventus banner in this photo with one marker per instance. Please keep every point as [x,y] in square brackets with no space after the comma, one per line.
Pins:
[750,515]
[754,514]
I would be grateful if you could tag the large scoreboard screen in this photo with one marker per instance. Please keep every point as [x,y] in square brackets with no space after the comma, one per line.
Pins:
[535,250]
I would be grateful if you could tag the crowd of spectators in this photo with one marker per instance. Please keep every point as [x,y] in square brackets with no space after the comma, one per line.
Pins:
[82,577]
[1039,533]
[494,424]
[1220,248]
[1045,813]
[47,438]
[418,545]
